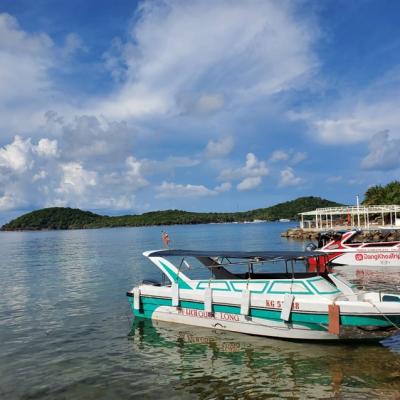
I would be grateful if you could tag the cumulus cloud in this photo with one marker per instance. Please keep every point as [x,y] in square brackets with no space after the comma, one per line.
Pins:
[384,153]
[278,155]
[47,148]
[38,174]
[249,183]
[223,187]
[291,156]
[134,172]
[75,179]
[219,148]
[16,156]
[89,137]
[175,190]
[187,50]
[288,178]
[252,168]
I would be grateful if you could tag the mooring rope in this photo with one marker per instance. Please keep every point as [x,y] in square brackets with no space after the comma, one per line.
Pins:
[383,315]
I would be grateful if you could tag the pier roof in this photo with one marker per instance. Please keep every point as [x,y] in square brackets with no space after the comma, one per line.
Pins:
[345,210]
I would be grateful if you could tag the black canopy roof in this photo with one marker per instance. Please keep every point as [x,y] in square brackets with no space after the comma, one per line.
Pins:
[261,255]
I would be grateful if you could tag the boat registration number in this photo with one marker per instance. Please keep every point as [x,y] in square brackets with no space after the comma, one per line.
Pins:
[279,304]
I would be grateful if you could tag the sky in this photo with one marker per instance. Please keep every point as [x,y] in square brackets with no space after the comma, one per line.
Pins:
[227,105]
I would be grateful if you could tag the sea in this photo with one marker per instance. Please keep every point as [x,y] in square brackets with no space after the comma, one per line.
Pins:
[67,331]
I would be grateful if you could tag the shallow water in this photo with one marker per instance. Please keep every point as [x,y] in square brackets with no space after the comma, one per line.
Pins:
[66,330]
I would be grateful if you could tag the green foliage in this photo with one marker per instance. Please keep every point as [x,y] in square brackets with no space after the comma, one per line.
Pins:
[68,218]
[290,209]
[389,194]
[53,218]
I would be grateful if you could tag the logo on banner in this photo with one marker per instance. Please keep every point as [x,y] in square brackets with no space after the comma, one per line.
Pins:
[359,257]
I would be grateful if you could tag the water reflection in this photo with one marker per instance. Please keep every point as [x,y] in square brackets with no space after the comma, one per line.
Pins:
[219,364]
[384,279]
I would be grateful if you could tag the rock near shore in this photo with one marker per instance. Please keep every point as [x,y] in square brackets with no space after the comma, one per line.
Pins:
[365,236]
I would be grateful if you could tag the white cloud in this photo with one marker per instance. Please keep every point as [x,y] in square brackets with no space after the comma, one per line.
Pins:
[174,190]
[384,153]
[9,201]
[232,50]
[73,44]
[134,172]
[87,137]
[249,183]
[39,176]
[219,148]
[20,155]
[278,155]
[25,60]
[16,156]
[28,84]
[43,174]
[289,155]
[116,202]
[298,157]
[25,83]
[288,178]
[358,115]
[76,179]
[252,168]
[223,187]
[47,148]
[208,103]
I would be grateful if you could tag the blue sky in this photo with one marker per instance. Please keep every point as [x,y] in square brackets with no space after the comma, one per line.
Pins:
[126,107]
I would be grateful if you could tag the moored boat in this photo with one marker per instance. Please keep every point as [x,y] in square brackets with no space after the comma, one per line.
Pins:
[246,293]
[346,248]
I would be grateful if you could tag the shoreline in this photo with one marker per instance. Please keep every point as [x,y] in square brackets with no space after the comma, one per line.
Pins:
[147,226]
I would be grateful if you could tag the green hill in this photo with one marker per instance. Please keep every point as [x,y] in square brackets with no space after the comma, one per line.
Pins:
[69,218]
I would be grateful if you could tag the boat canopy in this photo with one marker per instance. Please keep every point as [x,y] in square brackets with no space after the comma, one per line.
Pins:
[252,255]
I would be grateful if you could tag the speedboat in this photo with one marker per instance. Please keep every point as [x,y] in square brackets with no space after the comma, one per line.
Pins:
[346,248]
[265,293]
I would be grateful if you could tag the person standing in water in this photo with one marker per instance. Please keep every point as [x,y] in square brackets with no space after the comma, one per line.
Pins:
[165,238]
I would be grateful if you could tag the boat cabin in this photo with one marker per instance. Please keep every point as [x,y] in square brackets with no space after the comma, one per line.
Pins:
[259,272]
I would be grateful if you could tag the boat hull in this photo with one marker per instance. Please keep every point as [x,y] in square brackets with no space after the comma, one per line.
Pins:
[367,259]
[229,318]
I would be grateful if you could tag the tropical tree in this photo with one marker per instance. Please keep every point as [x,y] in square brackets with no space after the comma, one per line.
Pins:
[389,194]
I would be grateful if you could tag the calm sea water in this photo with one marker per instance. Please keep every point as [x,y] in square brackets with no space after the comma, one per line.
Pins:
[66,330]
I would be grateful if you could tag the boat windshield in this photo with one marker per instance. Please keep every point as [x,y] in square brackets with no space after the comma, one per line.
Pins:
[196,268]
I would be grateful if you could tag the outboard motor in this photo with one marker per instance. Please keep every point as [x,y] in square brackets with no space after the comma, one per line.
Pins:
[311,247]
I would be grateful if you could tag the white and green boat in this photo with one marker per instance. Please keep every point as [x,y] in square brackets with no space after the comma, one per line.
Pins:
[245,292]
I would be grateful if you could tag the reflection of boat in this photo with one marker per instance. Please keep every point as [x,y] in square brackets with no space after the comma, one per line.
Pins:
[343,248]
[244,295]
[221,364]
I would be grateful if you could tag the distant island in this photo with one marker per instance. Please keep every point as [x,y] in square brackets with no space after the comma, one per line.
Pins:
[69,218]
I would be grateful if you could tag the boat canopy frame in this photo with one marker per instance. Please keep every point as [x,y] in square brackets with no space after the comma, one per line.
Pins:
[249,258]
[245,255]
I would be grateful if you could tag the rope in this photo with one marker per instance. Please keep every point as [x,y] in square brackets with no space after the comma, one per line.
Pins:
[384,316]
